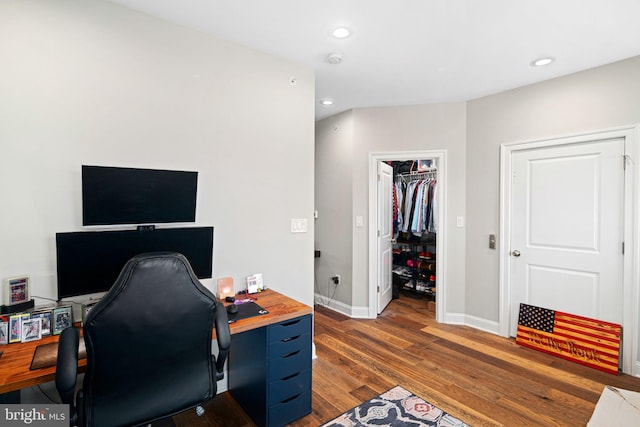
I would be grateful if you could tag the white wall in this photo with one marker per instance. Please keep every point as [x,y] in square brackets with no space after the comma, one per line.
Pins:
[391,129]
[90,82]
[599,98]
[333,201]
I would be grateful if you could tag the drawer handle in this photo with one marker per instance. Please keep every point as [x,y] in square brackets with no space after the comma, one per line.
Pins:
[291,398]
[291,339]
[290,376]
[293,322]
[290,354]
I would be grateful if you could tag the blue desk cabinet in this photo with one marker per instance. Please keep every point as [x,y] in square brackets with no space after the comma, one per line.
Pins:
[270,371]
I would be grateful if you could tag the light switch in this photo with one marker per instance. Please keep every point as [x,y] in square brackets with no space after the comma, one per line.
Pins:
[359,221]
[459,221]
[298,225]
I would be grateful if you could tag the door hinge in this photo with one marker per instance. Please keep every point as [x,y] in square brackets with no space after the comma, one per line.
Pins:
[378,288]
[622,248]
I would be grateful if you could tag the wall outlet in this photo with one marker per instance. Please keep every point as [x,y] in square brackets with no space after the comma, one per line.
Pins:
[336,279]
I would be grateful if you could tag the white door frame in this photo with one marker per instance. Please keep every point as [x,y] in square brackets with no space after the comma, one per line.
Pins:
[441,262]
[631,262]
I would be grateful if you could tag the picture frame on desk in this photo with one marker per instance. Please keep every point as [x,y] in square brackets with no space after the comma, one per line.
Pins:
[4,332]
[62,319]
[15,328]
[31,330]
[16,290]
[254,283]
[46,316]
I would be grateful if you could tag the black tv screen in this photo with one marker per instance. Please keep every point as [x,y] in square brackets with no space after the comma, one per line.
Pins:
[90,261]
[114,195]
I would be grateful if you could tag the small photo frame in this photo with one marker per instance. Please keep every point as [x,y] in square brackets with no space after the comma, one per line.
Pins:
[16,290]
[15,327]
[254,283]
[4,332]
[62,319]
[45,316]
[31,330]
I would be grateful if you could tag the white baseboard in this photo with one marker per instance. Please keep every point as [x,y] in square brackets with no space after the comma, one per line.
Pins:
[347,310]
[482,324]
[449,318]
[454,318]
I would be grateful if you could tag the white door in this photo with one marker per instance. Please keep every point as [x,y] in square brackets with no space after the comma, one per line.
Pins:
[567,224]
[385,234]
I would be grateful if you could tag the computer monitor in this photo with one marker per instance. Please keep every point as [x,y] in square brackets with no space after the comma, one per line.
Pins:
[89,262]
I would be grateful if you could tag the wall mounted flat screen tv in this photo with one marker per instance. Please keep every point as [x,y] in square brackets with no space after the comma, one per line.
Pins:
[114,195]
[90,261]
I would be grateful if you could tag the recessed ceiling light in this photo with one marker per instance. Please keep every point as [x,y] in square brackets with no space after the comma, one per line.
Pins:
[326,101]
[341,33]
[541,62]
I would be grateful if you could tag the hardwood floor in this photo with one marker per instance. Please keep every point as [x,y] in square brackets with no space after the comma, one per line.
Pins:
[483,379]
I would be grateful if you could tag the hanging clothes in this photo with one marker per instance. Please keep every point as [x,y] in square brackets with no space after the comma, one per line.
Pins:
[415,205]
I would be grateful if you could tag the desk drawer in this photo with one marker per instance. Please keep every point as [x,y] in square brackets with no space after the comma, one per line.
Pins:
[283,348]
[290,363]
[290,410]
[288,387]
[290,328]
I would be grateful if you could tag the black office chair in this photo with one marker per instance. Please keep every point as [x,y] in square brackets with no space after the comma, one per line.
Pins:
[149,346]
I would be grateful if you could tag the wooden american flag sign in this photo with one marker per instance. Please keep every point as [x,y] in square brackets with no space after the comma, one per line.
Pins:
[580,339]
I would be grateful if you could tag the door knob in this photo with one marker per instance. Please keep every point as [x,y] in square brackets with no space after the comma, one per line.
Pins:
[516,253]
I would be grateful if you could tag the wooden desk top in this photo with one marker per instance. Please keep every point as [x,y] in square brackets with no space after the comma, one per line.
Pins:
[16,358]
[280,308]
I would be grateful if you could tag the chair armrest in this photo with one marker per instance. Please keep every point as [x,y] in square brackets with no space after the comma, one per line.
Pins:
[67,365]
[224,339]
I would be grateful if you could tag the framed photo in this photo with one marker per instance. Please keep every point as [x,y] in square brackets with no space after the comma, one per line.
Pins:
[15,328]
[31,330]
[16,290]
[4,332]
[45,316]
[254,283]
[62,319]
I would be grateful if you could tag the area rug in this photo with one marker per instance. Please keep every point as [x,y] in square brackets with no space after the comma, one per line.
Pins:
[396,407]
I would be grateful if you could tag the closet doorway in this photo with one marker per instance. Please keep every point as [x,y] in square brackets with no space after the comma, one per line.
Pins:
[380,263]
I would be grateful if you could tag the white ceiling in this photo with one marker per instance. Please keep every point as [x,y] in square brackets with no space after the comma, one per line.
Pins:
[406,52]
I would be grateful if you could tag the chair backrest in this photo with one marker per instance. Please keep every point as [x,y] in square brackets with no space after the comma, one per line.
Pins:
[148,344]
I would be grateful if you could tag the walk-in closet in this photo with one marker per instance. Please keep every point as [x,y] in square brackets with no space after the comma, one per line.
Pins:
[415,228]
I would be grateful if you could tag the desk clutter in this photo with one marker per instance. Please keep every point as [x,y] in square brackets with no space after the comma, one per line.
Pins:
[35,323]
